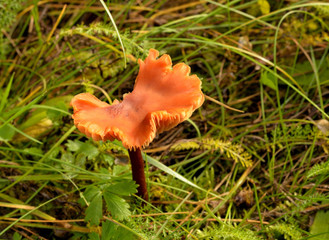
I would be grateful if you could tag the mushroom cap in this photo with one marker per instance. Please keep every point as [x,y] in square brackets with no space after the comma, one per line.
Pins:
[162,98]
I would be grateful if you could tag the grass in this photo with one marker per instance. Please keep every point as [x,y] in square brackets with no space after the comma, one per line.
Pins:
[256,170]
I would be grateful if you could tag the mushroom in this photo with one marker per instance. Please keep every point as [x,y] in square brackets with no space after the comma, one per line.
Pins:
[163,96]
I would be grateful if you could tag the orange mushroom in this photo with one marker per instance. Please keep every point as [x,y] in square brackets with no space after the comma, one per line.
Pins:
[162,98]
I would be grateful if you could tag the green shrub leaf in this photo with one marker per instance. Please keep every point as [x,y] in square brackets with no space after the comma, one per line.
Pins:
[320,226]
[268,79]
[94,210]
[116,205]
[124,188]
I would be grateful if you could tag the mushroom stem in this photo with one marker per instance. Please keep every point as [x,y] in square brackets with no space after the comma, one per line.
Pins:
[137,166]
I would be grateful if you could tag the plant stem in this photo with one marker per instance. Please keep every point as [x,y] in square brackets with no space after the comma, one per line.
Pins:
[137,166]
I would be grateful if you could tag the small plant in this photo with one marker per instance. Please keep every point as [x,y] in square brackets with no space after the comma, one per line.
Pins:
[113,195]
[231,150]
[288,231]
[228,232]
[8,12]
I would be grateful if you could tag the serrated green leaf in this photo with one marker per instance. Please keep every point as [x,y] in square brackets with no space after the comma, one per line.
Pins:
[55,152]
[90,150]
[108,230]
[67,157]
[73,146]
[111,231]
[93,236]
[95,210]
[123,188]
[80,160]
[124,234]
[116,205]
[87,148]
[108,159]
[91,192]
[120,169]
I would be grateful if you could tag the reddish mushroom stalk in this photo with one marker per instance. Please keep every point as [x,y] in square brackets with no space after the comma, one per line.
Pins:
[137,167]
[163,96]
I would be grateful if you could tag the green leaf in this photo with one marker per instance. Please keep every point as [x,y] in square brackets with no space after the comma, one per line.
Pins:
[108,230]
[108,159]
[94,211]
[111,231]
[91,192]
[67,162]
[304,75]
[116,205]
[86,148]
[73,146]
[67,157]
[17,236]
[55,152]
[268,79]
[80,160]
[90,150]
[124,188]
[320,226]
[93,236]
[6,133]
[120,169]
